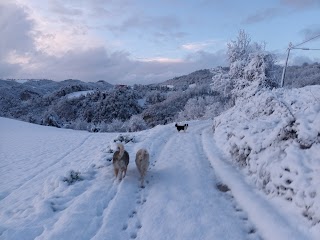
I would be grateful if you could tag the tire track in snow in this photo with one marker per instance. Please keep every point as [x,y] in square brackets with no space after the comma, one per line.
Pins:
[238,211]
[157,151]
[243,216]
[187,147]
[248,199]
[129,197]
[133,224]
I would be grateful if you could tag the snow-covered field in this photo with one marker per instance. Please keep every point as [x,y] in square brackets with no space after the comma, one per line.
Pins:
[59,184]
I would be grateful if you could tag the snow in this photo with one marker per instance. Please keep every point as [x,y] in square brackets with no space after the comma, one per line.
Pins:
[169,86]
[21,80]
[42,197]
[275,138]
[78,94]
[142,102]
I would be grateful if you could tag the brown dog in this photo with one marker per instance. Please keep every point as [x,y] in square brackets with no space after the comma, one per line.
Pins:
[120,161]
[142,162]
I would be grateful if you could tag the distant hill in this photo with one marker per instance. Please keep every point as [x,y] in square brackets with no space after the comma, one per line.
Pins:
[101,106]
[29,99]
[199,77]
[296,77]
[43,86]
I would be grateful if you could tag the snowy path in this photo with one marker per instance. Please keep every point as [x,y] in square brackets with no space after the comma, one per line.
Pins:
[180,201]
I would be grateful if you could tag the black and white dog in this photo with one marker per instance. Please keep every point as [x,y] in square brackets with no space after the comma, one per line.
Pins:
[182,127]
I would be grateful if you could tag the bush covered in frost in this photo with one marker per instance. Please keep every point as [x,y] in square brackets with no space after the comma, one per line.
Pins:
[275,138]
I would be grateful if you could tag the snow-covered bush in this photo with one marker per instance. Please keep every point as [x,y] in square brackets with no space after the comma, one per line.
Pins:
[116,126]
[194,109]
[124,138]
[72,177]
[51,119]
[78,124]
[136,123]
[202,108]
[275,138]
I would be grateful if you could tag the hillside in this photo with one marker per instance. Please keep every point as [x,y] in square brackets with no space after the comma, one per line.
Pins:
[44,86]
[274,137]
[100,106]
[97,106]
[59,184]
[200,77]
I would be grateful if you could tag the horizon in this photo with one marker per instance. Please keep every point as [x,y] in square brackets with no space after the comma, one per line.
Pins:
[22,80]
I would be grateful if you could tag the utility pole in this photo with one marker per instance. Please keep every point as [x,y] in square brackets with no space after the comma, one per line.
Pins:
[285,66]
[289,49]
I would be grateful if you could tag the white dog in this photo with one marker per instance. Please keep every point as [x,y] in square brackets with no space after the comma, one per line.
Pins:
[142,162]
[120,161]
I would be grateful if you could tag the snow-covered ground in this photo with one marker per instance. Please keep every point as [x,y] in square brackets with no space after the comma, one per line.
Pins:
[59,184]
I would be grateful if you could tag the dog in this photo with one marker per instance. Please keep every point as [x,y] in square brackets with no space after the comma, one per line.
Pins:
[183,127]
[120,161]
[142,162]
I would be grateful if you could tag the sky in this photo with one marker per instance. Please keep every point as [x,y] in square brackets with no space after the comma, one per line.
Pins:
[142,41]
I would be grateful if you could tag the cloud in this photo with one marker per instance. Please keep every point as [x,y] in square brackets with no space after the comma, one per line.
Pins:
[285,5]
[301,4]
[58,7]
[16,38]
[159,28]
[162,60]
[15,29]
[31,47]
[265,14]
[116,67]
[311,32]
[199,46]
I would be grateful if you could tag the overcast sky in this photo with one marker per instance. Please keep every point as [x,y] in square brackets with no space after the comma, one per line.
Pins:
[144,41]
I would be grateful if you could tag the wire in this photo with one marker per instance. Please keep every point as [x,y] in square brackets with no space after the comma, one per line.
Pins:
[306,41]
[306,48]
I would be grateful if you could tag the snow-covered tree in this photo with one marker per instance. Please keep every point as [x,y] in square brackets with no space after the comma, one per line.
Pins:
[250,68]
[255,74]
[154,97]
[194,109]
[238,53]
[221,81]
[136,123]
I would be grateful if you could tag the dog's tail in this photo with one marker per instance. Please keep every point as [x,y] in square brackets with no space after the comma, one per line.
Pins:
[121,149]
